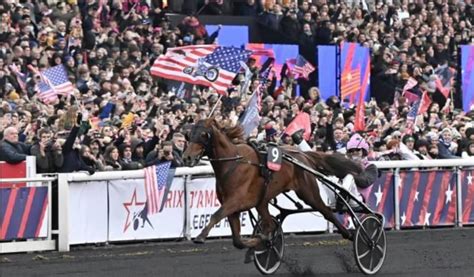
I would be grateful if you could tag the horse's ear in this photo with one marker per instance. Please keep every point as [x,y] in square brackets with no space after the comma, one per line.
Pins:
[216,123]
[197,119]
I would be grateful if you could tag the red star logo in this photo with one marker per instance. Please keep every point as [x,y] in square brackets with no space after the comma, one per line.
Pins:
[133,202]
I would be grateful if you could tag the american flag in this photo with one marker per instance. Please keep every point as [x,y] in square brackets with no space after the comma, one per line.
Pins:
[300,67]
[350,82]
[54,82]
[190,63]
[157,185]
[418,107]
[411,117]
[263,76]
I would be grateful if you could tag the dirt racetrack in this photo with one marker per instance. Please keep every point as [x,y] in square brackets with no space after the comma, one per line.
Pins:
[440,252]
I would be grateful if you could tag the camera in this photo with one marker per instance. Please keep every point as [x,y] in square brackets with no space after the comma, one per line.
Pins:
[50,145]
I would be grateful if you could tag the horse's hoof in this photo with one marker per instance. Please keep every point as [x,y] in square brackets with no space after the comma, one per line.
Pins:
[239,245]
[350,235]
[248,256]
[198,240]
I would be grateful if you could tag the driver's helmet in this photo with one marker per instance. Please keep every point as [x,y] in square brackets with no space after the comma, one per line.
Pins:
[358,142]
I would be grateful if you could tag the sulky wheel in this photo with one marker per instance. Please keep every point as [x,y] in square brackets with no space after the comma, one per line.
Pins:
[268,258]
[370,245]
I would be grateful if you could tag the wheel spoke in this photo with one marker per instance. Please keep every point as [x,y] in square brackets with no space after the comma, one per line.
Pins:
[380,235]
[268,260]
[260,252]
[374,235]
[371,260]
[380,248]
[365,239]
[276,251]
[364,254]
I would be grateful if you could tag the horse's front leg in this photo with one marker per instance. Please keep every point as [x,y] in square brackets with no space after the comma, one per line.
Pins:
[237,240]
[223,211]
[234,222]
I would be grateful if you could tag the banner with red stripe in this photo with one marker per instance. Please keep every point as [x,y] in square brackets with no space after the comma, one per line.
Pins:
[23,212]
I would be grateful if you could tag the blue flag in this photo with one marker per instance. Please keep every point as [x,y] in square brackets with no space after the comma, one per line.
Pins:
[251,118]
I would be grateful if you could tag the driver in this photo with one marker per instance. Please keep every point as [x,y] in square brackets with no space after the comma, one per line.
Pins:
[357,150]
[358,185]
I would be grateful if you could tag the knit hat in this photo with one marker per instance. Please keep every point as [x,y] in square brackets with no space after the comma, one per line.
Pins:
[270,132]
[408,138]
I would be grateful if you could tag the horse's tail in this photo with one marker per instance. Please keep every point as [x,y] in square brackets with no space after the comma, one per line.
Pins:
[334,164]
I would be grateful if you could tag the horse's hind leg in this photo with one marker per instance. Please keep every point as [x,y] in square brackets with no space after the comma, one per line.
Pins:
[329,215]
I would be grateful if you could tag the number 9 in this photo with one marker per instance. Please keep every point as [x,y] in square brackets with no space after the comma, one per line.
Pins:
[275,154]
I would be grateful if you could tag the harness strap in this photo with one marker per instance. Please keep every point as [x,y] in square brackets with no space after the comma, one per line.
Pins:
[229,171]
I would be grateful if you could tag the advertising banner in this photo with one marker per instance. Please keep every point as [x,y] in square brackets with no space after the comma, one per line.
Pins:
[467,76]
[23,213]
[203,203]
[427,198]
[88,212]
[301,222]
[230,35]
[130,218]
[354,70]
[382,199]
[467,201]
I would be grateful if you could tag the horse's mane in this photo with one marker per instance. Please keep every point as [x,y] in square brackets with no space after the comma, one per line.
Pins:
[234,133]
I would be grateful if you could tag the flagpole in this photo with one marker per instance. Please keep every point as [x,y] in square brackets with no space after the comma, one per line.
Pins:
[215,105]
[452,99]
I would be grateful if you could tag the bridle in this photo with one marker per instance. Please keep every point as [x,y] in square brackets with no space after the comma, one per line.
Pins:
[197,137]
[203,135]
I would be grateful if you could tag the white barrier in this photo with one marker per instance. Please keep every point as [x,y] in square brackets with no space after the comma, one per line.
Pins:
[85,217]
[83,200]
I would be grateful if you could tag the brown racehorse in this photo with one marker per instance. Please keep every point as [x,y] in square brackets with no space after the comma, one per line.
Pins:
[240,186]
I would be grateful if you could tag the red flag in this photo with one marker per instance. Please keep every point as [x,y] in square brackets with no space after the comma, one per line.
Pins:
[425,103]
[301,121]
[444,90]
[350,82]
[359,122]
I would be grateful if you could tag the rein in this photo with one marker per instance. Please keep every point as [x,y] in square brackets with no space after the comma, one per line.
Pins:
[226,159]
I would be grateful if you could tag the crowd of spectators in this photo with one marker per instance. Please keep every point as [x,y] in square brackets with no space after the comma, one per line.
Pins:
[119,117]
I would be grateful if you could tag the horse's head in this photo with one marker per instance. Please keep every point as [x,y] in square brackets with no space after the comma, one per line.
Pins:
[199,142]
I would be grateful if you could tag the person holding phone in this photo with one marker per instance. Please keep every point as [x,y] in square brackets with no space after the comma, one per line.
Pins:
[48,152]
